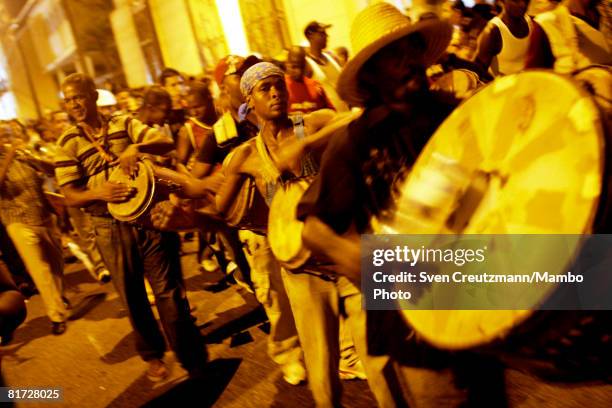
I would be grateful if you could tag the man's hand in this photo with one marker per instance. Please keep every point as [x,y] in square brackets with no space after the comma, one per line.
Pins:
[112,192]
[128,161]
[169,216]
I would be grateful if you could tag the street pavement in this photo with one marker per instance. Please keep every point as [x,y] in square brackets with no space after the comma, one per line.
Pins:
[96,364]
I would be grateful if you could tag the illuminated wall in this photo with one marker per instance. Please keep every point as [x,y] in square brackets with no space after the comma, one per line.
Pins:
[49,25]
[208,27]
[339,13]
[176,36]
[44,85]
[128,45]
[8,106]
[233,26]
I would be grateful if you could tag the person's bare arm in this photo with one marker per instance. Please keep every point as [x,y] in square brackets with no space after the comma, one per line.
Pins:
[489,45]
[344,251]
[80,196]
[156,143]
[201,169]
[323,125]
[183,145]
[234,176]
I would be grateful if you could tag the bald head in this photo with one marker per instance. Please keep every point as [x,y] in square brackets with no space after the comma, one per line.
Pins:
[296,63]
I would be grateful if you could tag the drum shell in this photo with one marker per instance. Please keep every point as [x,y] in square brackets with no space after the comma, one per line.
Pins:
[461,83]
[249,210]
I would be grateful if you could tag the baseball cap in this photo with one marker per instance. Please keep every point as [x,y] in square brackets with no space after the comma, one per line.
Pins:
[315,26]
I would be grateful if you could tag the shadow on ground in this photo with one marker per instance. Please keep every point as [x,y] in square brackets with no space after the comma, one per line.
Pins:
[123,350]
[188,393]
[233,322]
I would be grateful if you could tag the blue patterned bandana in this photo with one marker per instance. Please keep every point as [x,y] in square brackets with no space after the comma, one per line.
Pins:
[256,73]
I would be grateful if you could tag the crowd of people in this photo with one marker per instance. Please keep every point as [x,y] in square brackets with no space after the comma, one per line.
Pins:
[346,125]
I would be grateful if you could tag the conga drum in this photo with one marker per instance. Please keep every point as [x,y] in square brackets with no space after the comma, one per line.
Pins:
[534,146]
[151,185]
[284,229]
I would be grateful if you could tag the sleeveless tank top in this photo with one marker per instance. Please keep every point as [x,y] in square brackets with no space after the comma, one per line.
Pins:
[513,55]
[272,176]
[197,132]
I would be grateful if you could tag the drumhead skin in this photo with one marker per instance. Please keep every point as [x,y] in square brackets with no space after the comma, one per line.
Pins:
[536,140]
[137,205]
[284,229]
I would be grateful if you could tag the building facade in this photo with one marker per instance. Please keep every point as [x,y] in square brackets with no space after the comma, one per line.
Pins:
[128,42]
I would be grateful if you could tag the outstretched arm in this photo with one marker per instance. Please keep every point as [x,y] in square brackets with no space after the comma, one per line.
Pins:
[489,45]
[183,145]
[233,180]
[80,196]
[323,126]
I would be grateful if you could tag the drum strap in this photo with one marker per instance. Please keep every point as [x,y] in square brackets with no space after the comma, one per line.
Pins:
[272,176]
[309,167]
[89,134]
[270,173]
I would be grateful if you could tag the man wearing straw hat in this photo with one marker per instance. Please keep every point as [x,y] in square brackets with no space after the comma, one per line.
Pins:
[387,77]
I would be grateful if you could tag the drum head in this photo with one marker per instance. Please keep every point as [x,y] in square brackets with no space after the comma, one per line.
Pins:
[537,138]
[143,183]
[284,229]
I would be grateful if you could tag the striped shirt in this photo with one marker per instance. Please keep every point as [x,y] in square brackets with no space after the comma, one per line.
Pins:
[79,161]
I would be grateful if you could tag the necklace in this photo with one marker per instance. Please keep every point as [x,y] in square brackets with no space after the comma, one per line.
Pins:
[93,137]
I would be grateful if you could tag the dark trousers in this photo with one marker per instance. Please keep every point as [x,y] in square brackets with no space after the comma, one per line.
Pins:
[131,254]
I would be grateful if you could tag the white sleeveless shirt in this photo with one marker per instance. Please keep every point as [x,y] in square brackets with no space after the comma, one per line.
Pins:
[513,54]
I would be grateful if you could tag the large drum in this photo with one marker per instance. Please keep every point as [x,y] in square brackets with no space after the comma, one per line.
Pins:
[151,185]
[525,155]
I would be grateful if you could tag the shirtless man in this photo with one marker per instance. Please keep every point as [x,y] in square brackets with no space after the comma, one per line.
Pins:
[285,148]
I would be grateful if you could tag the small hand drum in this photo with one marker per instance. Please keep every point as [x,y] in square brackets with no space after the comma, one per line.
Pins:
[152,185]
[140,201]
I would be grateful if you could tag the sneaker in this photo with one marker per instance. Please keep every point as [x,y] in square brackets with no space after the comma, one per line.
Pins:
[353,372]
[157,370]
[294,373]
[104,276]
[231,267]
[58,328]
[210,265]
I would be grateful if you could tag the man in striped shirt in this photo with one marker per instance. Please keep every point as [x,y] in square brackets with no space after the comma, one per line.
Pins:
[88,152]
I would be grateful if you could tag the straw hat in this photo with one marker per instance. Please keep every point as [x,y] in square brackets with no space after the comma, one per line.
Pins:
[377,26]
